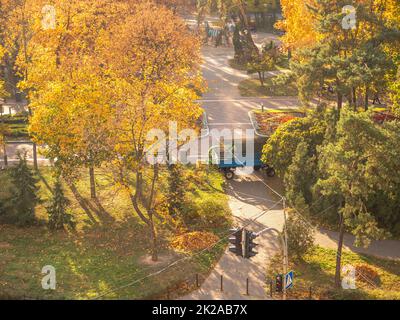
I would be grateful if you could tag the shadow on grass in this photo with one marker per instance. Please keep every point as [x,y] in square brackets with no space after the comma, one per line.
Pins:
[44,181]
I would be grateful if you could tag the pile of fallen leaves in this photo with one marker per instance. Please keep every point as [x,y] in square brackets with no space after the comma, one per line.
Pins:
[194,241]
[366,274]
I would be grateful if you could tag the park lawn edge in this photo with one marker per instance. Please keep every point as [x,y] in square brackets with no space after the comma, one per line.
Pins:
[315,274]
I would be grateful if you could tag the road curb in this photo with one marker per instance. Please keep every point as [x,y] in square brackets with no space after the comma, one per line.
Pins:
[255,125]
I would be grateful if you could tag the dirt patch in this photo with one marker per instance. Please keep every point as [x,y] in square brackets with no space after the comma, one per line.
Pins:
[5,245]
[163,259]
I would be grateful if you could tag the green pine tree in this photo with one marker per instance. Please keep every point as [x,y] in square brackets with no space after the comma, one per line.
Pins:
[24,193]
[58,209]
[352,169]
[176,189]
[346,63]
[301,177]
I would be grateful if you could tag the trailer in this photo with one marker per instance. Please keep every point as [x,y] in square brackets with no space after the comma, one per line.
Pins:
[228,160]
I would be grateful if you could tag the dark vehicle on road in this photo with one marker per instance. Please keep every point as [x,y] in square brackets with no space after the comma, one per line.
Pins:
[231,155]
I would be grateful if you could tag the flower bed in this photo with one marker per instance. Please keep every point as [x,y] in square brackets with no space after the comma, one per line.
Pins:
[266,123]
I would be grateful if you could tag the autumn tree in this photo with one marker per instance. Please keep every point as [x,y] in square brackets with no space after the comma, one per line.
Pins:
[4,129]
[264,62]
[71,107]
[21,17]
[299,24]
[3,92]
[349,61]
[154,69]
[10,42]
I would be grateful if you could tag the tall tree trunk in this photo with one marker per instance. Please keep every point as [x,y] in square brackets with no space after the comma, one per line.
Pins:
[261,79]
[354,97]
[34,146]
[146,207]
[5,155]
[339,253]
[366,99]
[150,209]
[339,102]
[154,242]
[34,154]
[251,47]
[92,183]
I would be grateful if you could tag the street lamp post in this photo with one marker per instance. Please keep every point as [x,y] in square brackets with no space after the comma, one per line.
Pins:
[285,253]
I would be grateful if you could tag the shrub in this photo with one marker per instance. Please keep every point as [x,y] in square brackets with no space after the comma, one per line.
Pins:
[206,211]
[177,186]
[57,209]
[300,236]
[24,199]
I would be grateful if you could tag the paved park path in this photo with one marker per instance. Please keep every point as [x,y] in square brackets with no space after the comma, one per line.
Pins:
[251,195]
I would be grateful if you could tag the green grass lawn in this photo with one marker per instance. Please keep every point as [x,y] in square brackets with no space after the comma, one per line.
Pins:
[107,251]
[317,270]
[253,88]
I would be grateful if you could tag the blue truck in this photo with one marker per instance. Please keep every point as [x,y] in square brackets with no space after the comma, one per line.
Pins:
[228,158]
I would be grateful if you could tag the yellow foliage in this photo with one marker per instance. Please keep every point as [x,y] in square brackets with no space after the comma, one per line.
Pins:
[299,23]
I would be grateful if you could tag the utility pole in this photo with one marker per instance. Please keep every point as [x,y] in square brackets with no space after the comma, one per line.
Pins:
[285,250]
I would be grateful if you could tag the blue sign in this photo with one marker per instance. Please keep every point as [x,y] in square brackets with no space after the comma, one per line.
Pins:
[289,280]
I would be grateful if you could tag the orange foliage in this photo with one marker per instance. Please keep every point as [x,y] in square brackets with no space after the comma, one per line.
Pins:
[366,274]
[194,241]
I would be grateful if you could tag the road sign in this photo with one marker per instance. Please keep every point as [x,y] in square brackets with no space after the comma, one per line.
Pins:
[289,280]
